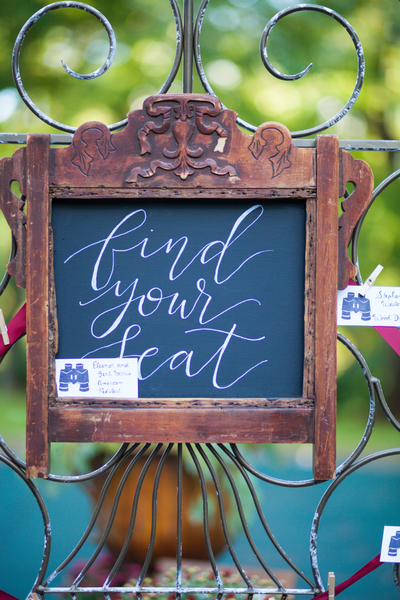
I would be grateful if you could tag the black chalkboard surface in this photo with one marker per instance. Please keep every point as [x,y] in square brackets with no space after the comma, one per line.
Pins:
[209,295]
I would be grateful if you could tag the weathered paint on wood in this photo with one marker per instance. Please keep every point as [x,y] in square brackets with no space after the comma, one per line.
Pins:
[325,310]
[359,174]
[225,425]
[37,299]
[12,169]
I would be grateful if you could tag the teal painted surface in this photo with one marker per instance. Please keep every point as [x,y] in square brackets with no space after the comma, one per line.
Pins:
[350,530]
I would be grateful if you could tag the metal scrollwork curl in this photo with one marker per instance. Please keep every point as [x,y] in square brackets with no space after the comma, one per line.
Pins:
[97,73]
[324,500]
[100,71]
[360,61]
[374,389]
[264,56]
[17,468]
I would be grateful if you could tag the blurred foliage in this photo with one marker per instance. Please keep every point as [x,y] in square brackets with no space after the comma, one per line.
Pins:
[146,38]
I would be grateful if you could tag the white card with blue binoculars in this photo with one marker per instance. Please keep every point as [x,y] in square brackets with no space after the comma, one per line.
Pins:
[390,550]
[97,378]
[379,307]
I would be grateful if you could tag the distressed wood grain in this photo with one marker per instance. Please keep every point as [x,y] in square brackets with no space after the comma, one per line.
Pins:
[359,173]
[325,310]
[225,425]
[37,300]
[12,169]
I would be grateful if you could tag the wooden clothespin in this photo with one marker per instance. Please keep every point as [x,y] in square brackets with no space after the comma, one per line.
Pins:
[371,280]
[331,586]
[4,330]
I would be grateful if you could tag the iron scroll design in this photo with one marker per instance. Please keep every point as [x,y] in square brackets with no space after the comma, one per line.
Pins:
[268,65]
[217,467]
[100,71]
[193,42]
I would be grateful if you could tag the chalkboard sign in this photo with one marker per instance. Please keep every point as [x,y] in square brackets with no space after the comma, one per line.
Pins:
[181,280]
[207,297]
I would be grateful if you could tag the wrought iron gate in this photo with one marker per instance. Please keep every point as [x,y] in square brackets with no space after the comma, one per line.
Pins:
[228,481]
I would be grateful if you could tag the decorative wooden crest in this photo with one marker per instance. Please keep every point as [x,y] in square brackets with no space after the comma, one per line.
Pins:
[190,137]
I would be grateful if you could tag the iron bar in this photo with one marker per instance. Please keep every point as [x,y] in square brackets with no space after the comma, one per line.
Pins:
[267,478]
[354,145]
[188,47]
[45,516]
[11,455]
[179,518]
[382,400]
[372,403]
[6,277]
[357,230]
[106,532]
[223,516]
[93,520]
[149,554]
[121,485]
[107,64]
[172,590]
[63,139]
[396,577]
[261,515]
[205,517]
[124,450]
[178,49]
[264,57]
[17,49]
[243,518]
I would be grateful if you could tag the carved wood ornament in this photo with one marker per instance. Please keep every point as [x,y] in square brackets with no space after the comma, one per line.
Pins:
[185,146]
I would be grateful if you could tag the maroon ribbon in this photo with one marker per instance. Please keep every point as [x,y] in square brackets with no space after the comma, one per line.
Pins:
[15,329]
[5,596]
[370,566]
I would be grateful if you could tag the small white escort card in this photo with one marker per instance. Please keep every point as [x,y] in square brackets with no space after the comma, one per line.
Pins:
[97,378]
[379,307]
[390,550]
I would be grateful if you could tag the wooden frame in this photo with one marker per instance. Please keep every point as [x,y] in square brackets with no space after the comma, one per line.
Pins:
[185,145]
